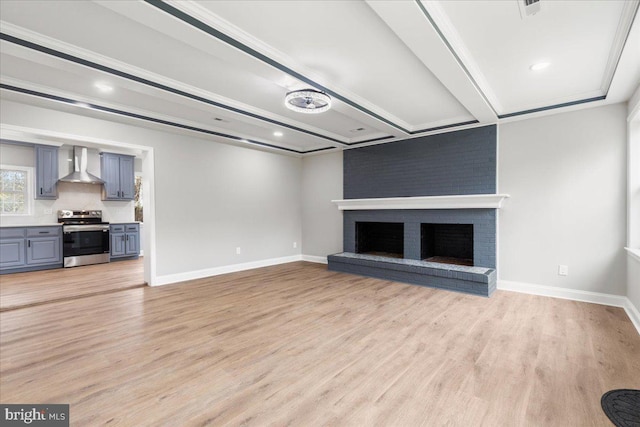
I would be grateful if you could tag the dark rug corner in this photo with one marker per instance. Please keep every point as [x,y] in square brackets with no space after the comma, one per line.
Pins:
[622,407]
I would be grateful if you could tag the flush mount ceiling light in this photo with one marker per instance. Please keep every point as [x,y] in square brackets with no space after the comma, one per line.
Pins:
[277,133]
[308,101]
[539,66]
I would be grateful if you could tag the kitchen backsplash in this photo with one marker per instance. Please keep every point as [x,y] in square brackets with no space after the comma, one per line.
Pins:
[75,197]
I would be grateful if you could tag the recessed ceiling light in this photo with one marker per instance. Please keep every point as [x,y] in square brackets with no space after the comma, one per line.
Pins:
[277,133]
[539,66]
[83,105]
[103,87]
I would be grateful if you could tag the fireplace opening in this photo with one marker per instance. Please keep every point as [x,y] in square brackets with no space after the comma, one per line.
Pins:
[447,243]
[380,238]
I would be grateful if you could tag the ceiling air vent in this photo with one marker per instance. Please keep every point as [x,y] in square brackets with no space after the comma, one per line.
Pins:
[528,7]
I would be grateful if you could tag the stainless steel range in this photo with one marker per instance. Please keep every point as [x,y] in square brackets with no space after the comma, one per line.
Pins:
[85,237]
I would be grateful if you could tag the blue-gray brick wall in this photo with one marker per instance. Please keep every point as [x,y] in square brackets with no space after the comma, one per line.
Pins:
[483,220]
[461,162]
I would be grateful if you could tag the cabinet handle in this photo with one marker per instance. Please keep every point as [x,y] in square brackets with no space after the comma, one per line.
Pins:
[40,190]
[127,237]
[28,243]
[43,232]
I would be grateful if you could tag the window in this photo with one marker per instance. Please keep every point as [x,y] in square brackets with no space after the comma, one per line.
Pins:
[138,198]
[15,190]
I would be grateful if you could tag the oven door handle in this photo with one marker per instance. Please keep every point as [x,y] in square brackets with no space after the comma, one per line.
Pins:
[75,228]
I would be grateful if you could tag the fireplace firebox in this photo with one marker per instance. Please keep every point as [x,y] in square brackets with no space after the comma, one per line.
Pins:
[380,238]
[447,243]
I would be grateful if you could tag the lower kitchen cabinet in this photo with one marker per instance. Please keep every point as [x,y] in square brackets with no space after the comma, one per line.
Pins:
[30,248]
[125,241]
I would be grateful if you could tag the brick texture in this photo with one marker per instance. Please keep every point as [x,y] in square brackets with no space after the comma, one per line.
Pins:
[462,162]
[483,220]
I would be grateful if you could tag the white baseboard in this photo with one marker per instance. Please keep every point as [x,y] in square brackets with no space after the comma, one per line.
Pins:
[314,258]
[633,313]
[575,295]
[215,271]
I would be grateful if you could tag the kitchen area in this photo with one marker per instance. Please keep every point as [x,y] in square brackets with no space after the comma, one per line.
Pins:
[70,221]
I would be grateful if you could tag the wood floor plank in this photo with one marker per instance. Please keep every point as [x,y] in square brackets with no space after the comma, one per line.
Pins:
[33,288]
[298,345]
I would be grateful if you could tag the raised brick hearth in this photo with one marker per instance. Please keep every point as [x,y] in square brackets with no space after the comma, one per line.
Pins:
[474,280]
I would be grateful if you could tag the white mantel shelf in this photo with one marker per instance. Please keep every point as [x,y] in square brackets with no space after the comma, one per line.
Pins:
[471,201]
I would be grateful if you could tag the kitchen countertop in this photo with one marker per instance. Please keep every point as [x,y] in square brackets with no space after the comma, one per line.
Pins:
[53,224]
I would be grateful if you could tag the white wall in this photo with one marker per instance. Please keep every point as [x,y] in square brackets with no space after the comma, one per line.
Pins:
[633,200]
[70,195]
[321,219]
[566,175]
[210,197]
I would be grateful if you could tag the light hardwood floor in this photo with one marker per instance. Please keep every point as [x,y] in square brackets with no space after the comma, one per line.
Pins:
[32,288]
[298,345]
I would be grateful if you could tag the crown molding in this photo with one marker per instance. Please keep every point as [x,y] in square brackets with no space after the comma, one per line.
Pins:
[109,62]
[202,14]
[130,114]
[452,37]
[629,11]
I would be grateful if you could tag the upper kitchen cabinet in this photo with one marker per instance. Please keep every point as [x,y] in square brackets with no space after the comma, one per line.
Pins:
[117,171]
[46,172]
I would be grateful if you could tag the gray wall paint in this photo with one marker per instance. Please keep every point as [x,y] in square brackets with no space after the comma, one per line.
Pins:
[321,219]
[461,162]
[566,175]
[210,197]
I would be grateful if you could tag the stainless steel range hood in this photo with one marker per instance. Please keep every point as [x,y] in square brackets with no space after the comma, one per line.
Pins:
[80,173]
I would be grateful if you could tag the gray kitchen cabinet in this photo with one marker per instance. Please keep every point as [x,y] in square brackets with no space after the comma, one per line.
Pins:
[46,172]
[44,245]
[117,172]
[30,248]
[125,241]
[12,248]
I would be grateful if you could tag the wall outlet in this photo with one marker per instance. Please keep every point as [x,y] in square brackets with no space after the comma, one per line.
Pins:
[295,245]
[563,270]
[48,211]
[238,250]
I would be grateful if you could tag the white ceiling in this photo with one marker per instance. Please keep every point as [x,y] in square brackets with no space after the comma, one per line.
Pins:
[394,69]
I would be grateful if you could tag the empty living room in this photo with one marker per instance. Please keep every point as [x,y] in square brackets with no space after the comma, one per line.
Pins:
[313,213]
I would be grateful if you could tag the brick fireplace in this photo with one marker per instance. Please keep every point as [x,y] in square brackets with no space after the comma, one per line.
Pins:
[423,211]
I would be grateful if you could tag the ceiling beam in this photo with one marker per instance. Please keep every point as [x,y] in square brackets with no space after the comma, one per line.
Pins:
[412,25]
